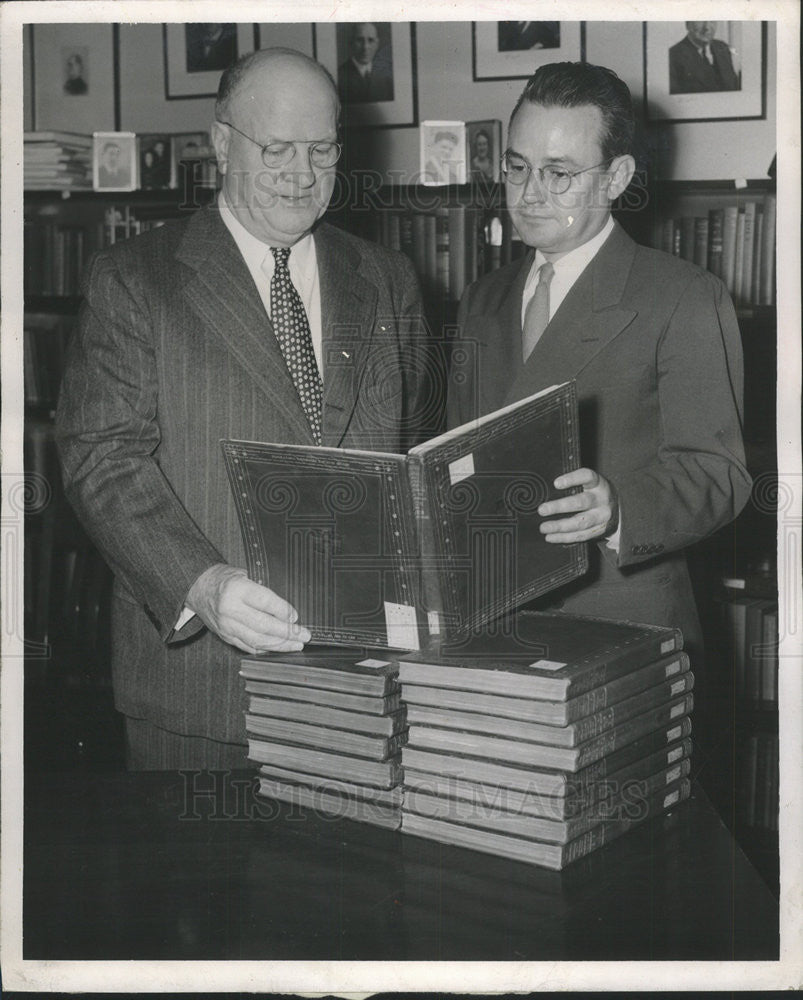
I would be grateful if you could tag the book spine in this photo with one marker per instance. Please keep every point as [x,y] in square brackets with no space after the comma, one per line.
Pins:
[758,243]
[747,253]
[701,241]
[738,264]
[443,252]
[687,236]
[429,566]
[383,774]
[716,222]
[595,725]
[608,694]
[653,648]
[731,215]
[768,252]
[457,252]
[594,749]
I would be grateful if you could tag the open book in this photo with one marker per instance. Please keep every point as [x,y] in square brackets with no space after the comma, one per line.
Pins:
[386,550]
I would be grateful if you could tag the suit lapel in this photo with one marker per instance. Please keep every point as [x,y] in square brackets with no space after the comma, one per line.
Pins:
[348,310]
[498,333]
[587,320]
[223,295]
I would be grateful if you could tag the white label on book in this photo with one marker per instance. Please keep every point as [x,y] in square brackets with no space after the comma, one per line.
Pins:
[434,622]
[677,688]
[673,734]
[674,755]
[671,799]
[667,647]
[402,626]
[677,710]
[672,668]
[547,665]
[672,775]
[461,468]
[374,664]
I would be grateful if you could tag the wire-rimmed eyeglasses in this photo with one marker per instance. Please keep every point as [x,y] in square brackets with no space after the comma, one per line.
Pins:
[556,180]
[279,152]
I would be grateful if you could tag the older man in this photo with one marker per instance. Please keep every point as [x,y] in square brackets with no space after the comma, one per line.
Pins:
[651,340]
[701,63]
[247,320]
[367,74]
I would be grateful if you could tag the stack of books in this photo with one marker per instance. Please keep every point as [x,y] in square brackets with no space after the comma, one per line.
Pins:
[546,737]
[327,727]
[55,161]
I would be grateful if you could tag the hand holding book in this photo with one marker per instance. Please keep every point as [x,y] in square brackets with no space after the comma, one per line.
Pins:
[595,511]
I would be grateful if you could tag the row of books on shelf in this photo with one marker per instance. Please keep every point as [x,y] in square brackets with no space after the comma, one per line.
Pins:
[752,630]
[758,767]
[736,242]
[489,745]
[57,161]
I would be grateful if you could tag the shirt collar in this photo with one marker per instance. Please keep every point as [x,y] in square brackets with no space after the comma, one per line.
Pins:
[576,260]
[254,250]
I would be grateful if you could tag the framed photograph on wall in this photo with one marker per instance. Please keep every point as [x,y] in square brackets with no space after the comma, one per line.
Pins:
[442,152]
[705,70]
[155,167]
[73,76]
[375,68]
[114,161]
[484,150]
[196,54]
[513,50]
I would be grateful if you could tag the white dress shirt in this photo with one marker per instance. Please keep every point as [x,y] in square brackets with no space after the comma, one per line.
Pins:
[567,270]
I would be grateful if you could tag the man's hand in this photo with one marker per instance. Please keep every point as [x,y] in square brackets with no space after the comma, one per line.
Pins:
[595,511]
[244,613]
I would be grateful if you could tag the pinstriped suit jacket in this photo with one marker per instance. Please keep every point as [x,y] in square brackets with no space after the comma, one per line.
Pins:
[173,352]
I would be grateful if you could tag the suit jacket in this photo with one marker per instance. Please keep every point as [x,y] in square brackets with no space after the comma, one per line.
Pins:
[173,352]
[655,348]
[357,89]
[689,73]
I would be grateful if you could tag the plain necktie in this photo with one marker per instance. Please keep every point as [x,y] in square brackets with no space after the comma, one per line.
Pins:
[537,315]
[289,319]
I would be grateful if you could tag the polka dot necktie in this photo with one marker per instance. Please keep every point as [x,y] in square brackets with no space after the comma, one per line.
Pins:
[292,330]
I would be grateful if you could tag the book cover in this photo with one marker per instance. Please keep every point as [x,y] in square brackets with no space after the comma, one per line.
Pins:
[337,740]
[387,796]
[553,713]
[334,718]
[544,755]
[555,856]
[379,705]
[332,804]
[532,654]
[671,740]
[560,736]
[344,767]
[325,669]
[382,550]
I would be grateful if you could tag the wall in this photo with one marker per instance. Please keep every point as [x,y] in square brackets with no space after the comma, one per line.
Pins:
[687,150]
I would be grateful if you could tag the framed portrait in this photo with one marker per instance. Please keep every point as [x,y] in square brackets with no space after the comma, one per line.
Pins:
[375,68]
[513,50]
[192,152]
[483,150]
[114,161]
[196,54]
[442,153]
[705,70]
[155,163]
[73,76]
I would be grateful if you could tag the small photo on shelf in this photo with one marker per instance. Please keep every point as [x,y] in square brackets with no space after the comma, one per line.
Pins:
[484,150]
[442,153]
[193,160]
[155,163]
[114,161]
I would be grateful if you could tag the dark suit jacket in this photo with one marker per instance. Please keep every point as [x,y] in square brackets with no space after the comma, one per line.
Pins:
[654,346]
[173,352]
[689,73]
[356,89]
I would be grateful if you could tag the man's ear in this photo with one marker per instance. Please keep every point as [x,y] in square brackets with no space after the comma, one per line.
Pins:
[620,174]
[220,140]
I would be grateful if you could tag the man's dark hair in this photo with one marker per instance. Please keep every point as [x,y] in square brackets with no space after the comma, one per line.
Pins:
[572,85]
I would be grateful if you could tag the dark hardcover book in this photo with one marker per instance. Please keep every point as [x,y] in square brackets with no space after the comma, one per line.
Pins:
[382,550]
[387,796]
[457,251]
[331,803]
[701,237]
[626,801]
[553,713]
[671,739]
[354,672]
[382,705]
[646,774]
[442,252]
[543,754]
[337,740]
[767,275]
[687,237]
[729,226]
[342,766]
[537,852]
[534,654]
[571,735]
[323,715]
[716,222]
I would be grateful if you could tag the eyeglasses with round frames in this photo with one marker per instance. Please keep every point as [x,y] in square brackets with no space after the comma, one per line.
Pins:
[279,152]
[556,180]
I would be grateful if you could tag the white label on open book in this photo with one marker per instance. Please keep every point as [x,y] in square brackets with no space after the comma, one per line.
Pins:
[674,755]
[677,688]
[401,625]
[673,734]
[670,800]
[434,622]
[461,468]
[677,710]
[667,647]
[672,775]
[374,664]
[548,665]
[672,668]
